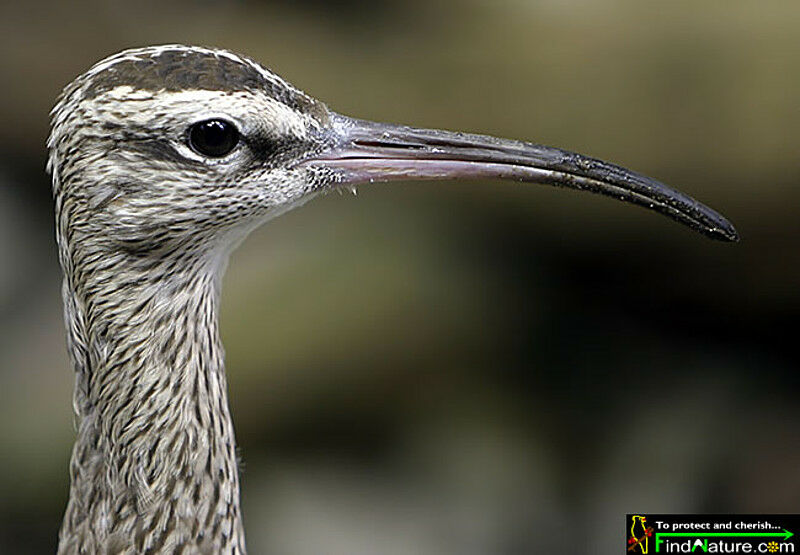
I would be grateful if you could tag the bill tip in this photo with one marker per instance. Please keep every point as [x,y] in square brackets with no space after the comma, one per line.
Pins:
[725,232]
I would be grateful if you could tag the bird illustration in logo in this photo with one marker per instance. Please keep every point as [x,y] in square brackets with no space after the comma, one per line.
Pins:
[640,534]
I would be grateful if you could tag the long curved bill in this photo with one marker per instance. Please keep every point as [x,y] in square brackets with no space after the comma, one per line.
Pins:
[367,152]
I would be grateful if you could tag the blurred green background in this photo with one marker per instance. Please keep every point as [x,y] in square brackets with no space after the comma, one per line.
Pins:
[461,368]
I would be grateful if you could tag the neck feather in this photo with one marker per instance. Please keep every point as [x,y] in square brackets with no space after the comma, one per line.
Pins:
[154,465]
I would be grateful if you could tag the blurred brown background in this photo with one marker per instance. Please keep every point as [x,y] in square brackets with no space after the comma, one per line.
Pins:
[462,368]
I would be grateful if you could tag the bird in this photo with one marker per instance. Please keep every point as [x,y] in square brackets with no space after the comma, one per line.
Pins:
[162,160]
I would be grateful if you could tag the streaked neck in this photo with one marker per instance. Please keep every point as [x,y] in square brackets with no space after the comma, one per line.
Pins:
[154,464]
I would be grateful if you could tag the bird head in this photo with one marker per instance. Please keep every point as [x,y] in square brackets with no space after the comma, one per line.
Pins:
[168,148]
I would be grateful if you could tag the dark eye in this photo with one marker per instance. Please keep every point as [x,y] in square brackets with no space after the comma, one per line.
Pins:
[214,138]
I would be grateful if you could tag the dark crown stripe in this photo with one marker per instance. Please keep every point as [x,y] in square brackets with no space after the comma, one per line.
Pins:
[178,68]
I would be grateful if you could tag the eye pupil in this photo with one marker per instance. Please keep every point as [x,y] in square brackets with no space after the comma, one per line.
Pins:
[214,138]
